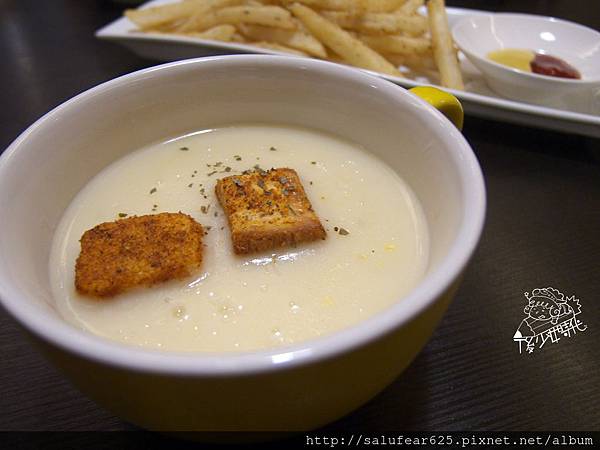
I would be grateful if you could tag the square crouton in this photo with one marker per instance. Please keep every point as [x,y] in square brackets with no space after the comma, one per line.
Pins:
[267,210]
[140,250]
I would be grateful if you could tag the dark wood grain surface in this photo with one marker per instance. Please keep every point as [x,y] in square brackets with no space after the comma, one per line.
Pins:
[543,229]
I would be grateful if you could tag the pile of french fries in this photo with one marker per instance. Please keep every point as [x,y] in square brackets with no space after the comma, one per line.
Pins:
[378,35]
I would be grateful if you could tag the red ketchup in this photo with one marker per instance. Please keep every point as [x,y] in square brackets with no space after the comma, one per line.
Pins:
[553,67]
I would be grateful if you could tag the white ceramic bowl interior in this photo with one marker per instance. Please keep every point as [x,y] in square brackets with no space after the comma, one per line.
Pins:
[42,171]
[579,46]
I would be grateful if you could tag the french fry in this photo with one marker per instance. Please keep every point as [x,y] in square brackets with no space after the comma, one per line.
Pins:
[193,22]
[273,16]
[394,23]
[332,57]
[345,19]
[335,5]
[298,39]
[379,23]
[156,16]
[341,42]
[218,33]
[165,28]
[380,5]
[279,48]
[410,7]
[237,37]
[352,5]
[403,45]
[443,46]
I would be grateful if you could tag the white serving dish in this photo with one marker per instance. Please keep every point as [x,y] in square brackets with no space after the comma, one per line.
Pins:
[579,46]
[478,99]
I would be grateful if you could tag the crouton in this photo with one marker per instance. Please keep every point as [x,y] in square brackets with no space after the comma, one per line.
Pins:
[267,210]
[136,251]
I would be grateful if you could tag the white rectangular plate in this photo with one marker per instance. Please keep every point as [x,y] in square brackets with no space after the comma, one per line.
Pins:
[478,99]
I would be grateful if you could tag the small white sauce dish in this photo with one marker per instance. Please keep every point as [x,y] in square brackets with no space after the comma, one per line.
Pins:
[579,46]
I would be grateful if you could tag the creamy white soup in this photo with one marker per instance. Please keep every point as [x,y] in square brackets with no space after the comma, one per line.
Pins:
[375,252]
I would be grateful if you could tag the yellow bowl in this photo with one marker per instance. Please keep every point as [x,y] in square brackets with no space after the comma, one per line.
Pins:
[289,388]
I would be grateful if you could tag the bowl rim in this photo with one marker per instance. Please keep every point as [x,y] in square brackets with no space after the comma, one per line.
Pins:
[433,285]
[464,47]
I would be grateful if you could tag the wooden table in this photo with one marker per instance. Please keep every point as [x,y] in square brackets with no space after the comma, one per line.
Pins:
[543,229]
